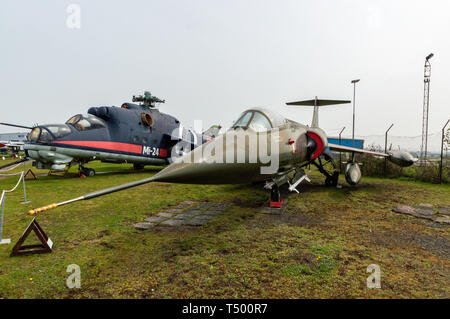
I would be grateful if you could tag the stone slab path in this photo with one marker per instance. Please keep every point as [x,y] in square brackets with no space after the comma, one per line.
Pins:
[426,211]
[186,213]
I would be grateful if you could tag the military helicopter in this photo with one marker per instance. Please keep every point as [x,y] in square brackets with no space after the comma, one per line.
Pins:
[293,146]
[133,133]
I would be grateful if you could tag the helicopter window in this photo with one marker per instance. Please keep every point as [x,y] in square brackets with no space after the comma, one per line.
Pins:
[85,122]
[260,123]
[73,119]
[243,121]
[96,122]
[34,134]
[82,125]
[45,136]
[144,141]
[59,130]
[135,139]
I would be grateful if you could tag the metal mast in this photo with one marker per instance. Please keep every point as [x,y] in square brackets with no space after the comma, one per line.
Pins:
[426,104]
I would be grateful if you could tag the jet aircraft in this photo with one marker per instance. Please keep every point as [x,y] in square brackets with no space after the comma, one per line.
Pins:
[11,146]
[133,133]
[297,146]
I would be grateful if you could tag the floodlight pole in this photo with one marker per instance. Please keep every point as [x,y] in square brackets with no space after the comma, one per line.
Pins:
[340,153]
[385,147]
[442,152]
[426,106]
[354,96]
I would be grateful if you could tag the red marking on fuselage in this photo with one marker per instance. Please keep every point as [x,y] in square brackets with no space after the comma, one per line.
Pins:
[112,146]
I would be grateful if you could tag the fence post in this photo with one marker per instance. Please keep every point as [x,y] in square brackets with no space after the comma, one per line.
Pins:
[385,148]
[442,152]
[3,241]
[340,153]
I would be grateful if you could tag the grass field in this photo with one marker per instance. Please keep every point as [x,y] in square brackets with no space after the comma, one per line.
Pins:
[319,247]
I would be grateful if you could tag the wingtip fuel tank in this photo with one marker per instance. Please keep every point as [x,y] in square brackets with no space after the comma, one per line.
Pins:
[401,158]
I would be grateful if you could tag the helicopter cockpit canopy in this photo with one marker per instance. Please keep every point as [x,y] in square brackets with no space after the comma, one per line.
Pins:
[47,133]
[85,122]
[259,120]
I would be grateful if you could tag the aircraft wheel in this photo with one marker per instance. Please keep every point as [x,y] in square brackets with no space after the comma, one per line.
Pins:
[328,181]
[332,180]
[87,171]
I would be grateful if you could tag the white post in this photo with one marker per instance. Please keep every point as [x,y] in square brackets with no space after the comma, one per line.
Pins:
[8,240]
[24,189]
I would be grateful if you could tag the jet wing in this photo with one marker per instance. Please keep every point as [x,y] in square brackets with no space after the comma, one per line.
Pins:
[342,148]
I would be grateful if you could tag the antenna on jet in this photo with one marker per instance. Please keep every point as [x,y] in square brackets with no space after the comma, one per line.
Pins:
[147,99]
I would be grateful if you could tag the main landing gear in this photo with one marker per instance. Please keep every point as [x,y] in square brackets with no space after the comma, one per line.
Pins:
[88,172]
[138,167]
[325,164]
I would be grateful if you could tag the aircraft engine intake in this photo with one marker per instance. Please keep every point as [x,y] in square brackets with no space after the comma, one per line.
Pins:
[352,173]
[146,119]
[102,112]
[315,145]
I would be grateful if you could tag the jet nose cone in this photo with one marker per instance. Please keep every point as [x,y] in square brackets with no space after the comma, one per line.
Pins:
[207,173]
[216,162]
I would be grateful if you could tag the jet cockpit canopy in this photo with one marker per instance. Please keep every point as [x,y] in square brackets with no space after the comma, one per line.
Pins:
[259,120]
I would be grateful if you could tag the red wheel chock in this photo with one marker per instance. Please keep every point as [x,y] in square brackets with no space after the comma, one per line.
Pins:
[276,204]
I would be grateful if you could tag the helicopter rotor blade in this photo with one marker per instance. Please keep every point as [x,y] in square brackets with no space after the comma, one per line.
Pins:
[14,163]
[16,125]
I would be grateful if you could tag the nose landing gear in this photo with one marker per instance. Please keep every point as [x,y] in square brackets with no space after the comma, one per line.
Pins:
[275,198]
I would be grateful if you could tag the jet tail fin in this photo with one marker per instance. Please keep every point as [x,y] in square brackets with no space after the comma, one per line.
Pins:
[316,103]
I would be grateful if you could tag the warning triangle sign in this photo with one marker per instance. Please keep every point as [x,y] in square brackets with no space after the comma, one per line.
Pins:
[30,173]
[44,247]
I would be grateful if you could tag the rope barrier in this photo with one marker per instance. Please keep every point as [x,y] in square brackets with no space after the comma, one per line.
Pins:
[11,168]
[8,175]
[2,201]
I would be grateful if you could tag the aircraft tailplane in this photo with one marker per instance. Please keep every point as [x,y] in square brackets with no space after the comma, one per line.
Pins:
[316,103]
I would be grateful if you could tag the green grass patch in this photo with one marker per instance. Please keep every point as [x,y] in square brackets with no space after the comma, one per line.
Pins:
[320,247]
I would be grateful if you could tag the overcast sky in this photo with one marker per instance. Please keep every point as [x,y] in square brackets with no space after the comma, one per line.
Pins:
[212,59]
